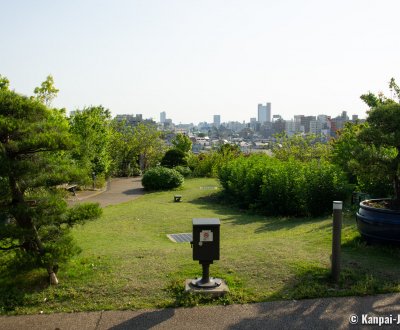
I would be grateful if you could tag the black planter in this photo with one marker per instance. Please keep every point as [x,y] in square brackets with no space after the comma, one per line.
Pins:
[378,223]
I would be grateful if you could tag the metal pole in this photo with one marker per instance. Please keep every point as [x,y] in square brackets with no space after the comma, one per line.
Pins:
[206,273]
[336,239]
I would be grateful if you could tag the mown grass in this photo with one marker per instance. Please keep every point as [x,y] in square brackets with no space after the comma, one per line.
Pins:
[128,262]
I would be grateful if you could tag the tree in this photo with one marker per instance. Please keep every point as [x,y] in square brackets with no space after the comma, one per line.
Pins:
[34,218]
[182,142]
[148,144]
[371,151]
[229,151]
[383,133]
[4,83]
[123,150]
[174,157]
[134,147]
[47,92]
[304,148]
[91,129]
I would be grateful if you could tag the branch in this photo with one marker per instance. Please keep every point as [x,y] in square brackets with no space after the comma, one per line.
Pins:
[32,151]
[10,247]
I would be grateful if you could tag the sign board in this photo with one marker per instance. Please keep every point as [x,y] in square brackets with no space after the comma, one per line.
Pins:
[206,236]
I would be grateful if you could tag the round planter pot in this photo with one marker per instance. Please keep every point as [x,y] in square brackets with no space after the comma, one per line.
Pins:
[378,223]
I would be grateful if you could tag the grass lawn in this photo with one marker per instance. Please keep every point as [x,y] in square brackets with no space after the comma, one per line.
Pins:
[128,262]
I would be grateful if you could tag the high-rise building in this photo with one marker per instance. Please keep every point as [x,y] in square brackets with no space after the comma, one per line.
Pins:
[217,120]
[264,113]
[163,117]
[305,121]
[290,127]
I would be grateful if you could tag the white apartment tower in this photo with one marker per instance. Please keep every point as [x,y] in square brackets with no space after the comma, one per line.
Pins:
[163,117]
[264,113]
[217,120]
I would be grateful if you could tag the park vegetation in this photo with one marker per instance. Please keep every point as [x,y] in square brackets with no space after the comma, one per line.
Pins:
[35,157]
[41,148]
[370,152]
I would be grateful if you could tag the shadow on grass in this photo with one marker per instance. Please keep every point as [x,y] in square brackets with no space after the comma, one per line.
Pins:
[237,216]
[16,287]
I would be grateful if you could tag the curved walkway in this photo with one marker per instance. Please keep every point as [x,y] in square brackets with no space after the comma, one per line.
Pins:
[328,313]
[118,190]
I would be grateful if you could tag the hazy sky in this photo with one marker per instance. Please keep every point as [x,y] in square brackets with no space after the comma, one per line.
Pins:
[197,58]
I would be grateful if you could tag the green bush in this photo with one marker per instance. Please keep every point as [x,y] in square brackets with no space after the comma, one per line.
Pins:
[174,157]
[184,170]
[203,164]
[277,187]
[208,164]
[161,178]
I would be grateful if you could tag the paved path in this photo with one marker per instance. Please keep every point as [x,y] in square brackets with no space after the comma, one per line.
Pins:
[329,313]
[118,190]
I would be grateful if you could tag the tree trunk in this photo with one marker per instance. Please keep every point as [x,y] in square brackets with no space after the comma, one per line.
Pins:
[52,276]
[33,241]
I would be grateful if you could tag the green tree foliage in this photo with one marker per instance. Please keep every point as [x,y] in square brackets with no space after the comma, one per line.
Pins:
[47,92]
[4,83]
[208,164]
[91,130]
[358,158]
[300,147]
[383,134]
[149,145]
[123,149]
[162,178]
[371,151]
[134,148]
[182,142]
[277,187]
[174,157]
[34,219]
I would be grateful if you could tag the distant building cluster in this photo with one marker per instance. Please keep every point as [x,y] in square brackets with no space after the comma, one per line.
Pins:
[256,134]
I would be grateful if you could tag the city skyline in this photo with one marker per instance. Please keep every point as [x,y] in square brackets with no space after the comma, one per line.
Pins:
[196,59]
[217,120]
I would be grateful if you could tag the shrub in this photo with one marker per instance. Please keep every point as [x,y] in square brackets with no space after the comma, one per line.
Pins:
[208,164]
[161,178]
[203,164]
[277,187]
[184,170]
[174,157]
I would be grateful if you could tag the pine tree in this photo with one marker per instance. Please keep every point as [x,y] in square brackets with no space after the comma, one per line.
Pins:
[34,218]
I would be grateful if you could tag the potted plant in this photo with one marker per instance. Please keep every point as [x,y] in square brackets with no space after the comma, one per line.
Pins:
[380,161]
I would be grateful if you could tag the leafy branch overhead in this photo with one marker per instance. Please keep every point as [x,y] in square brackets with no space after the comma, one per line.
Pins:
[47,92]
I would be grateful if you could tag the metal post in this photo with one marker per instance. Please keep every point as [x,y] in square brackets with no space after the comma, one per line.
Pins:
[206,273]
[336,239]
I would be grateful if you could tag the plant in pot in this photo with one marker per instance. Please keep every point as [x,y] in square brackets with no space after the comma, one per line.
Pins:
[371,153]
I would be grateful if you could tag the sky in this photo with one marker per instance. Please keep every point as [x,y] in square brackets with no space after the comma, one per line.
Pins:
[197,58]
